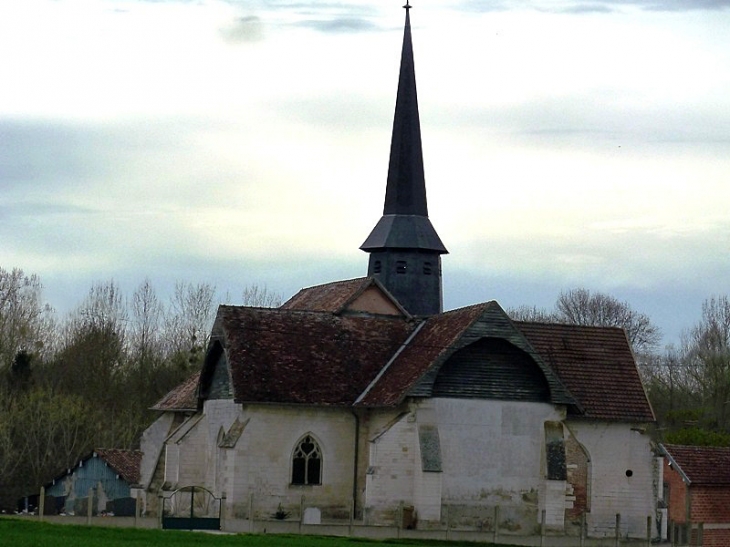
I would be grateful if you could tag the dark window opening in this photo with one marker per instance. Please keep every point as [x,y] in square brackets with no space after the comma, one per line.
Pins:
[427,268]
[555,452]
[307,462]
[401,267]
[377,266]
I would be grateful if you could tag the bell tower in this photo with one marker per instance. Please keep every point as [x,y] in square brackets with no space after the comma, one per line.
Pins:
[405,250]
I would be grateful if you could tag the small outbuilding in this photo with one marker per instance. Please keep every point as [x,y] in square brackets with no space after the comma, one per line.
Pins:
[697,491]
[108,474]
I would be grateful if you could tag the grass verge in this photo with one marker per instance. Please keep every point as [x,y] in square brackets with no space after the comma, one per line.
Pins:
[29,533]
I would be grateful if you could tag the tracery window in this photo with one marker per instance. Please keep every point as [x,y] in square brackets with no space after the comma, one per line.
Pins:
[307,462]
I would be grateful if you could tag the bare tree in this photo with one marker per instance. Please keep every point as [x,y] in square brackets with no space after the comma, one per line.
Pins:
[260,297]
[581,307]
[25,322]
[532,314]
[147,320]
[190,318]
[707,359]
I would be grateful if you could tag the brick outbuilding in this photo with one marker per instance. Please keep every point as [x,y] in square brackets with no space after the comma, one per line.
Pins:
[697,485]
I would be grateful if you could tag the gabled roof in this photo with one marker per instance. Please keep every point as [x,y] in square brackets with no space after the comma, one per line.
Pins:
[304,357]
[126,463]
[596,365]
[181,399]
[415,369]
[700,465]
[290,356]
[338,296]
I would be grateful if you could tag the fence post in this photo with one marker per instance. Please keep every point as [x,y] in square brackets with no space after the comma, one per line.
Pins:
[700,534]
[496,523]
[648,531]
[352,517]
[222,510]
[42,504]
[399,521]
[301,513]
[618,529]
[446,507]
[250,513]
[543,514]
[137,505]
[89,506]
[160,510]
[583,529]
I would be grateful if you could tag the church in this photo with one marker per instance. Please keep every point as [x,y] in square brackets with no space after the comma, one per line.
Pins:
[362,399]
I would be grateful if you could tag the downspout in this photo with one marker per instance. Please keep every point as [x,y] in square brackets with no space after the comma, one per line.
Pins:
[356,463]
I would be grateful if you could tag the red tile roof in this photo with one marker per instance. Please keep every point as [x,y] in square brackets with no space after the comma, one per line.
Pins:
[708,465]
[305,357]
[124,462]
[183,398]
[331,297]
[292,356]
[434,338]
[596,365]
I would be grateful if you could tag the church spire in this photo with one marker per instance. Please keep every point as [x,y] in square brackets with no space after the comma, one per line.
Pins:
[404,246]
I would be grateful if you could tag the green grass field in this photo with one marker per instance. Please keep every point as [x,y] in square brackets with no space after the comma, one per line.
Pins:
[27,533]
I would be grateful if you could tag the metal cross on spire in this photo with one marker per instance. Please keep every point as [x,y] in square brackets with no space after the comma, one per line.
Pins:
[408,5]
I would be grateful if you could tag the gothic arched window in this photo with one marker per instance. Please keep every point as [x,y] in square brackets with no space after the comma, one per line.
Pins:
[307,462]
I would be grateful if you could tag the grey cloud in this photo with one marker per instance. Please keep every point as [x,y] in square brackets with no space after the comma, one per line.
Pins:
[600,6]
[588,8]
[243,29]
[340,24]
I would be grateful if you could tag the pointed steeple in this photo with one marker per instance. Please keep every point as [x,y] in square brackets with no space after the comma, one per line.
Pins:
[404,246]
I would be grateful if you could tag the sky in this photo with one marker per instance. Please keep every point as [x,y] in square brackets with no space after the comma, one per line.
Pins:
[567,143]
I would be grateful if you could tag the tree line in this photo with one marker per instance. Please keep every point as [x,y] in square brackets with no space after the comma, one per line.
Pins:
[88,380]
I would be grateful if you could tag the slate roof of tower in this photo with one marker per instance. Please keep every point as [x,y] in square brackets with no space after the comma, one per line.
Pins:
[707,465]
[597,366]
[405,223]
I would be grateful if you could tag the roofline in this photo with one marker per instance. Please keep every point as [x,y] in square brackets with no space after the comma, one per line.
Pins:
[674,465]
[380,374]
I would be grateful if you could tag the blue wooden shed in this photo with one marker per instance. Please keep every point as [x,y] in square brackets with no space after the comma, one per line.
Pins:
[109,474]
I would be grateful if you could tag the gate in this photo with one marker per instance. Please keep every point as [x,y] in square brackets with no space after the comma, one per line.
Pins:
[191,508]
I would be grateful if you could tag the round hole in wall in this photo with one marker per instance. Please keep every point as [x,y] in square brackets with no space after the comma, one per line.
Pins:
[629,473]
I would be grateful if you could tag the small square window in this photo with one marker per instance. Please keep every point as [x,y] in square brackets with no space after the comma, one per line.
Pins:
[401,267]
[427,268]
[377,266]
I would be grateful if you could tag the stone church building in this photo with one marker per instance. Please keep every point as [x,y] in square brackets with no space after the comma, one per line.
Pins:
[364,397]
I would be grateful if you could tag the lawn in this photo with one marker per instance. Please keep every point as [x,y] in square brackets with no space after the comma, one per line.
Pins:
[31,533]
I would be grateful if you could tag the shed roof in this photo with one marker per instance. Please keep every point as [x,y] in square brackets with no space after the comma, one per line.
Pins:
[705,465]
[126,463]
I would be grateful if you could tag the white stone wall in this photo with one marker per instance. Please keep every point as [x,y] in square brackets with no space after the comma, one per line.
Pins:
[152,445]
[492,453]
[392,462]
[260,462]
[614,450]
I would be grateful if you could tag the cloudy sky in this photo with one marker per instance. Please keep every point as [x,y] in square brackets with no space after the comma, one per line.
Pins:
[567,144]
